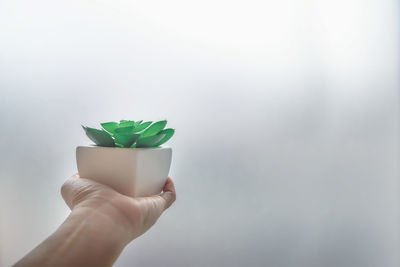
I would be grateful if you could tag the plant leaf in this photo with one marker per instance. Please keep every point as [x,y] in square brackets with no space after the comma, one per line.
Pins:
[110,126]
[124,139]
[149,141]
[99,137]
[125,123]
[155,128]
[137,123]
[168,134]
[126,130]
[142,126]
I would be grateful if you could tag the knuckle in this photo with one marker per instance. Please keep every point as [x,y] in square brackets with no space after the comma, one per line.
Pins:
[81,193]
[65,188]
[75,191]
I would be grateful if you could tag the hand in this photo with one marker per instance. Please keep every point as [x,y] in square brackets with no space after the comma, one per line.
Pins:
[136,215]
[101,223]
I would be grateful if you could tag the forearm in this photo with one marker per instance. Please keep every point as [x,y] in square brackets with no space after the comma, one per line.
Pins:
[86,238]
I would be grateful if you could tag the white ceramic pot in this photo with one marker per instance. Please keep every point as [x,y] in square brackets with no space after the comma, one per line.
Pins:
[134,172]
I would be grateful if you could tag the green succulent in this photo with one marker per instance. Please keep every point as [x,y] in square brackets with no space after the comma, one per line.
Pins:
[126,133]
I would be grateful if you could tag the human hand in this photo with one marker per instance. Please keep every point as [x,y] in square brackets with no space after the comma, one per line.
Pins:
[135,215]
[101,223]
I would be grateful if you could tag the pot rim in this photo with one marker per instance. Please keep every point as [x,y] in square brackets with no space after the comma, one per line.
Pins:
[125,148]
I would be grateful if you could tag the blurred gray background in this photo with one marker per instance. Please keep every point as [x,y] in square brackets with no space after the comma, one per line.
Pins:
[286,117]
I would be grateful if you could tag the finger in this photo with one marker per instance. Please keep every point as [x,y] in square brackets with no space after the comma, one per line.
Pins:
[66,190]
[76,189]
[168,194]
[158,203]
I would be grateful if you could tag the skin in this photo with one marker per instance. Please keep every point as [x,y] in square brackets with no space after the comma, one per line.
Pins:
[101,223]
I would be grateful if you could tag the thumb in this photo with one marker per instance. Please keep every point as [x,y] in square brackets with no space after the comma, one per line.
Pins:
[168,194]
[157,204]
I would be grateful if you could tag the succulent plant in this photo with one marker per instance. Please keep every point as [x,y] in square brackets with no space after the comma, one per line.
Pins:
[126,133]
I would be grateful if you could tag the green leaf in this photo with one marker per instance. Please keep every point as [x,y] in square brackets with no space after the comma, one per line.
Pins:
[142,126]
[125,139]
[126,130]
[137,123]
[168,134]
[99,137]
[155,128]
[149,141]
[125,123]
[110,126]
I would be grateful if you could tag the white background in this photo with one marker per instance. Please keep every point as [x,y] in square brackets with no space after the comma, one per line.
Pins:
[286,118]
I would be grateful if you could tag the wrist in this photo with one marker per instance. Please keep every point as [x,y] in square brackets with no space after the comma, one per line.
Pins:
[88,238]
[103,227]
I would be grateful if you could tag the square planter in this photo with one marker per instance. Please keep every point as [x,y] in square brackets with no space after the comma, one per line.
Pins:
[134,172]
